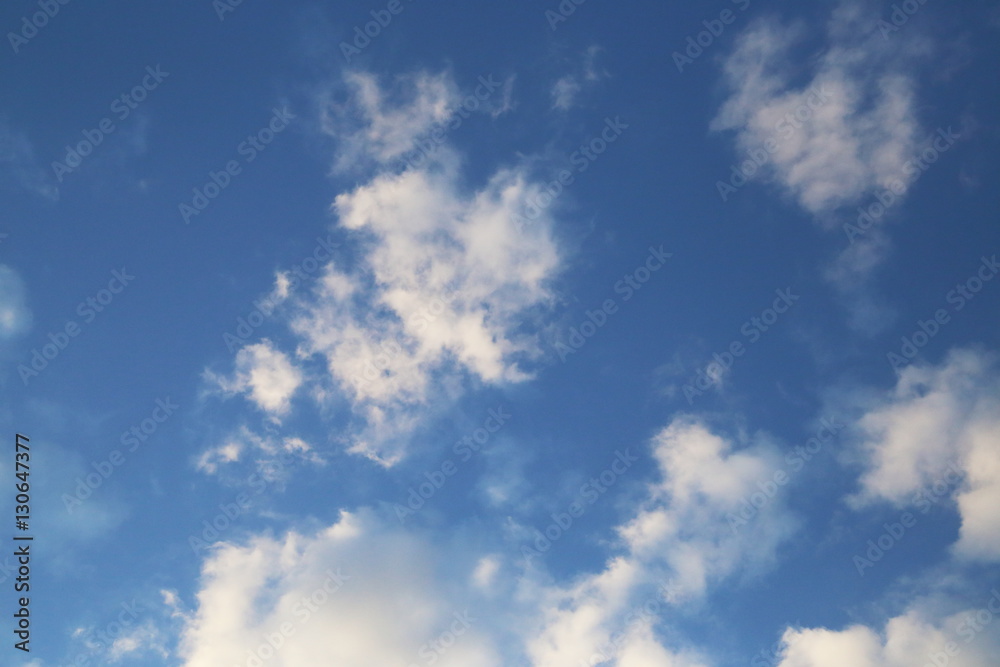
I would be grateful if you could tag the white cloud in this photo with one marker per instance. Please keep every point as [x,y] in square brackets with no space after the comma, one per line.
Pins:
[486,571]
[142,639]
[506,103]
[578,622]
[452,281]
[678,544]
[564,92]
[229,452]
[266,375]
[686,523]
[351,594]
[641,648]
[915,638]
[444,287]
[567,88]
[860,120]
[680,540]
[380,125]
[15,318]
[270,453]
[935,417]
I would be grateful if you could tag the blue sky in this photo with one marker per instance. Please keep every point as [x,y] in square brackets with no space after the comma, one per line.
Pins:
[552,334]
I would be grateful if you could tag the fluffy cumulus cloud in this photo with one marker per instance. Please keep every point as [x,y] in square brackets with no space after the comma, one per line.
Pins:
[354,594]
[695,521]
[937,418]
[362,592]
[579,623]
[265,375]
[15,318]
[446,285]
[918,637]
[681,541]
[841,134]
[640,648]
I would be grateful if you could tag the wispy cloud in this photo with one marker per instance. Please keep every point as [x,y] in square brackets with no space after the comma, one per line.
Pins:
[15,317]
[585,75]
[19,164]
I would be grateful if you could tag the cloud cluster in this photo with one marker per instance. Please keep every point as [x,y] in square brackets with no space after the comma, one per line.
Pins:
[677,546]
[935,417]
[831,153]
[443,288]
[397,602]
[350,594]
[918,637]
